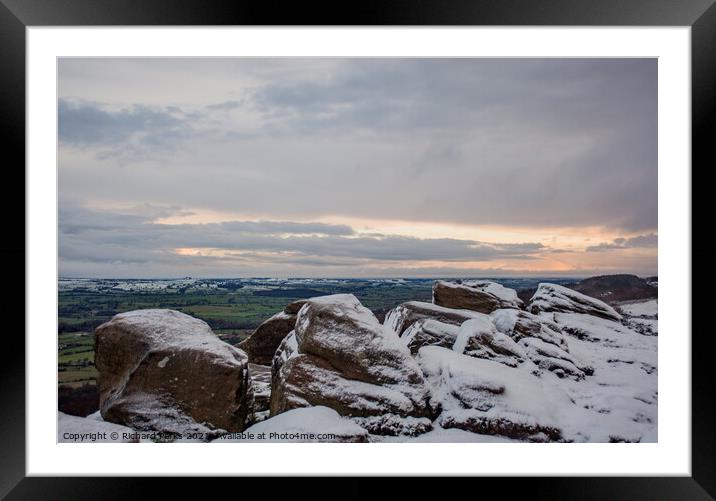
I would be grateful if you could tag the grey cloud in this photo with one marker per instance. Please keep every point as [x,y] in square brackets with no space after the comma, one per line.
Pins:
[81,237]
[523,142]
[226,105]
[82,124]
[639,241]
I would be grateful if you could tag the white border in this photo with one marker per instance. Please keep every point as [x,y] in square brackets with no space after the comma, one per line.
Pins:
[671,456]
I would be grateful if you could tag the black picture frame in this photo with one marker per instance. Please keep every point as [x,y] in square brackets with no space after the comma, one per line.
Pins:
[16,15]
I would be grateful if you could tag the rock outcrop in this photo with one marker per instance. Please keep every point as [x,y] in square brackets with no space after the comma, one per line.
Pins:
[566,368]
[556,298]
[477,295]
[406,314]
[480,338]
[341,357]
[519,324]
[429,332]
[542,341]
[261,345]
[487,397]
[165,371]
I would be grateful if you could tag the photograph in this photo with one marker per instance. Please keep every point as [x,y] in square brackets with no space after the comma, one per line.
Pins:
[357,249]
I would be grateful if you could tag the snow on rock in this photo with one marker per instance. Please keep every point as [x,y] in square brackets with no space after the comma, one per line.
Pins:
[641,316]
[622,391]
[483,396]
[308,424]
[556,298]
[477,295]
[75,429]
[618,403]
[506,295]
[429,332]
[406,314]
[341,357]
[554,359]
[480,338]
[542,340]
[261,383]
[394,425]
[262,344]
[162,370]
[519,324]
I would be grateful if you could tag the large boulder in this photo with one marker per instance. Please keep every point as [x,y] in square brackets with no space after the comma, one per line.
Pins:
[406,314]
[341,357]
[162,370]
[476,295]
[262,344]
[429,332]
[480,338]
[556,298]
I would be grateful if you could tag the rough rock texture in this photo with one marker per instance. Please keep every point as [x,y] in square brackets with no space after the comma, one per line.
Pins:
[165,371]
[341,357]
[542,341]
[556,298]
[406,314]
[519,324]
[309,424]
[429,332]
[262,344]
[261,383]
[480,338]
[476,295]
[293,308]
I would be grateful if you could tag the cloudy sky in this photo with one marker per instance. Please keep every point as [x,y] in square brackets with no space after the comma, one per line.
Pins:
[357,167]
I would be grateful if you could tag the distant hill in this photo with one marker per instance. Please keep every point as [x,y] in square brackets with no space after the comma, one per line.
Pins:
[609,288]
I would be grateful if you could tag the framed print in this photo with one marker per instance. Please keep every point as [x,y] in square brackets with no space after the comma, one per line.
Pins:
[458,232]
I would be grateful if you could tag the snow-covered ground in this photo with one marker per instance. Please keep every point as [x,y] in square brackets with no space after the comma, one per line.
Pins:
[648,308]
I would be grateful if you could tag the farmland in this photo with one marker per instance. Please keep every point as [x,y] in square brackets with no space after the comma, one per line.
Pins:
[232,307]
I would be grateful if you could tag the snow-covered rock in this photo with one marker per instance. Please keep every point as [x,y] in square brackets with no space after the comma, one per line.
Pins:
[429,332]
[341,357]
[554,359]
[480,338]
[162,370]
[308,424]
[476,295]
[519,324]
[261,383]
[623,390]
[406,314]
[542,341]
[261,345]
[483,396]
[641,316]
[556,298]
[75,429]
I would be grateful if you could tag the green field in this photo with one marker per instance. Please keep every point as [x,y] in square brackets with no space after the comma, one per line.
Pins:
[232,313]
